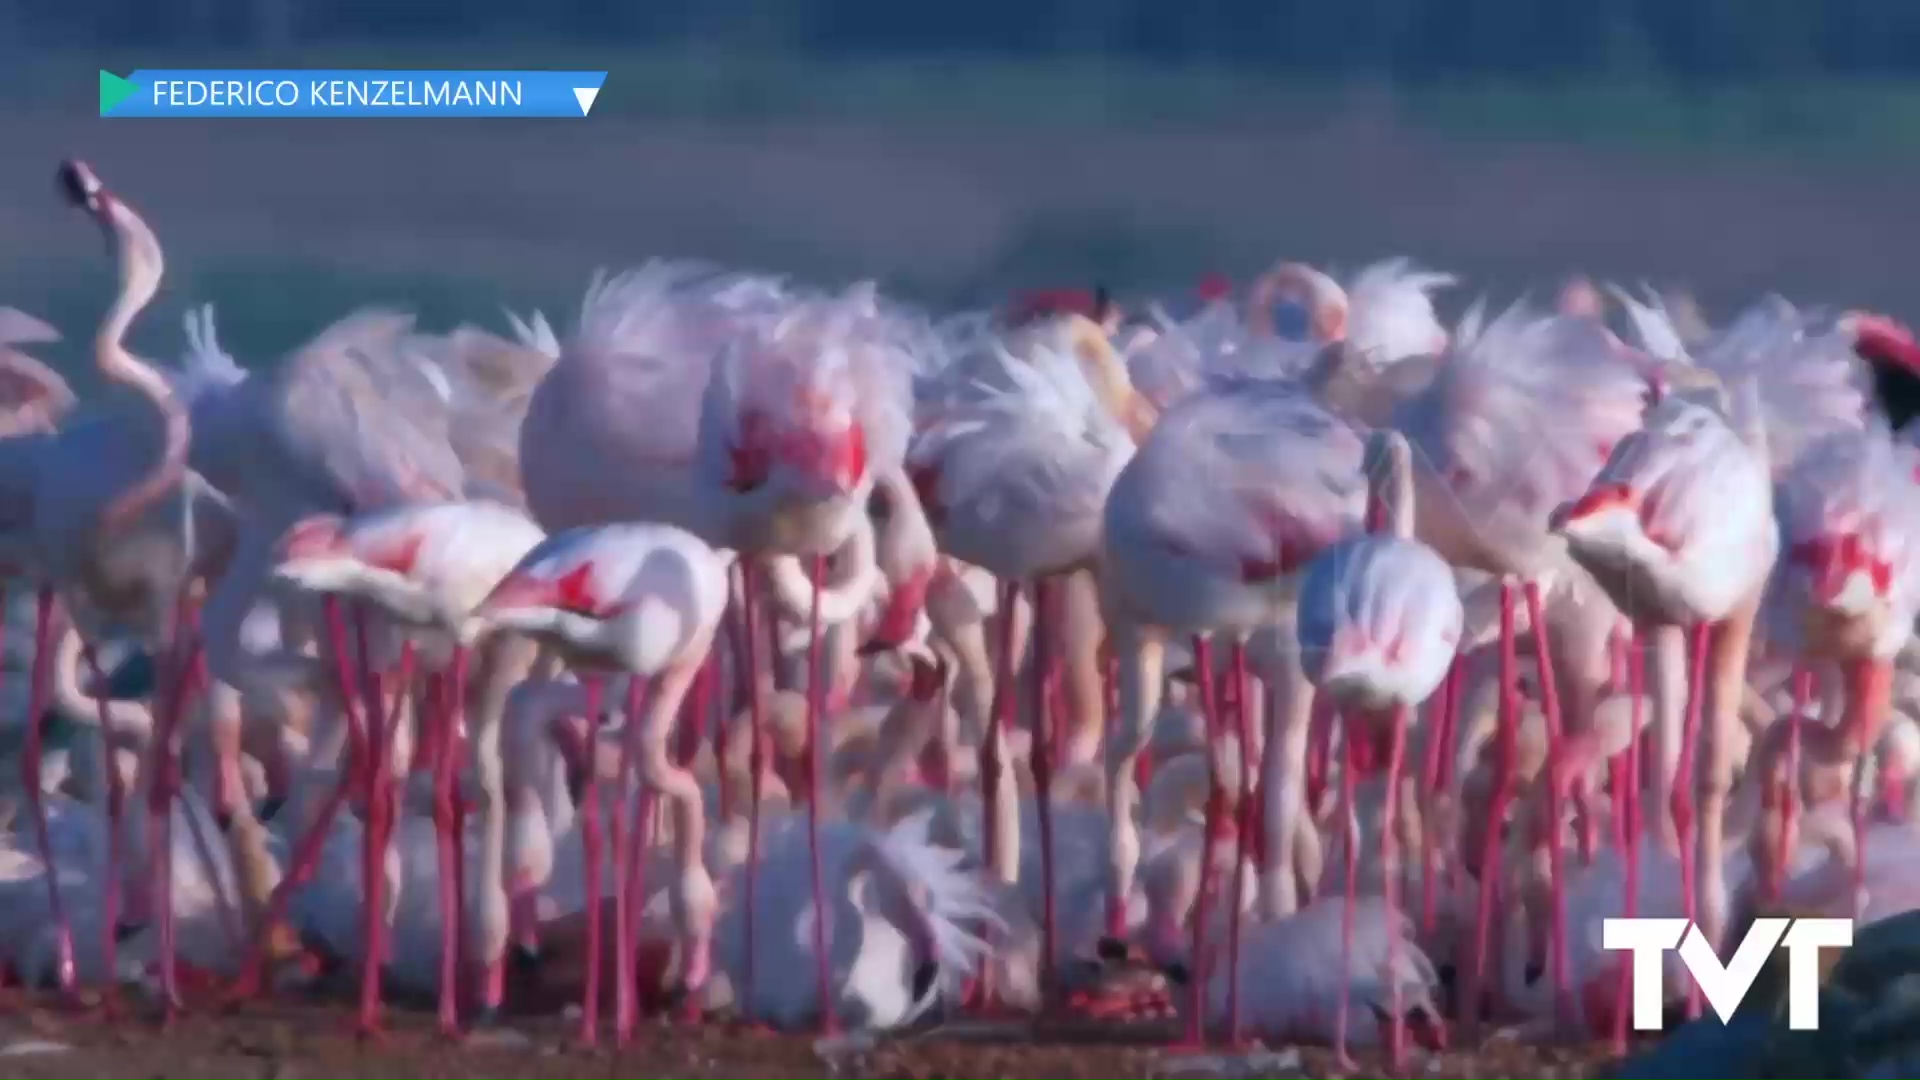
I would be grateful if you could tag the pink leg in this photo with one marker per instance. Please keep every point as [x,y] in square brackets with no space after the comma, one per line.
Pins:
[756,767]
[1390,861]
[377,783]
[1803,689]
[1630,840]
[1349,828]
[30,777]
[1682,800]
[1438,740]
[306,853]
[1045,746]
[593,844]
[1450,717]
[161,792]
[1504,763]
[816,687]
[1199,967]
[625,1010]
[1550,702]
[999,718]
[1244,817]
[116,809]
[444,719]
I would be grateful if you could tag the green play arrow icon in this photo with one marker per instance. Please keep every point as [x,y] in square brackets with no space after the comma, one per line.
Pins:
[114,90]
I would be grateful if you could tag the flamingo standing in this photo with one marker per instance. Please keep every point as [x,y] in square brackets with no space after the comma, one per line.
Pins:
[1379,622]
[425,569]
[1206,530]
[645,601]
[1015,482]
[1678,527]
[1520,415]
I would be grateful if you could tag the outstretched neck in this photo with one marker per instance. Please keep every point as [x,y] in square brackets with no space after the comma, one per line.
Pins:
[1389,485]
[138,254]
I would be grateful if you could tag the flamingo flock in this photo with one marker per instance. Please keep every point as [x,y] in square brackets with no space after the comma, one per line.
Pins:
[798,656]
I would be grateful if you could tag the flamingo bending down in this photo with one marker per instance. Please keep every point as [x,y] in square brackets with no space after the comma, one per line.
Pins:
[425,569]
[1379,622]
[1678,528]
[1847,590]
[643,600]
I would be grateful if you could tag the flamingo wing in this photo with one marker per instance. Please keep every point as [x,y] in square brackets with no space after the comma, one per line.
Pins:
[359,422]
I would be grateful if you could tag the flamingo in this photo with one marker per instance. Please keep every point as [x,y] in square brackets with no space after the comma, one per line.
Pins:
[1379,622]
[425,568]
[1846,591]
[1015,482]
[1206,530]
[774,416]
[1520,415]
[91,494]
[643,600]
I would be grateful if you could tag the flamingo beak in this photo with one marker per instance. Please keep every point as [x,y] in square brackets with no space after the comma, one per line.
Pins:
[901,617]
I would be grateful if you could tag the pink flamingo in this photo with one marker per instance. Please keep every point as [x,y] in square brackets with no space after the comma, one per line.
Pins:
[644,601]
[1678,527]
[1846,591]
[1520,415]
[88,495]
[1379,623]
[1206,530]
[425,569]
[1015,482]
[785,427]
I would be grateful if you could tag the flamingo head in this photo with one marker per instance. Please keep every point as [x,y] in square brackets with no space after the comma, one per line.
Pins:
[1882,341]
[1580,299]
[81,187]
[1299,302]
[899,620]
[824,453]
[1215,288]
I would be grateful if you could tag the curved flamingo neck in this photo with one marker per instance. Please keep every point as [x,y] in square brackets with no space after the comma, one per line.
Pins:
[1390,485]
[138,253]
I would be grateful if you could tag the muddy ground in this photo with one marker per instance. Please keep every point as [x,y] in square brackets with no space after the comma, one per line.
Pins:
[286,1040]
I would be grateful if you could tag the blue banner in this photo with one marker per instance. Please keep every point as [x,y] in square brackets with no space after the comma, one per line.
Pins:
[350,93]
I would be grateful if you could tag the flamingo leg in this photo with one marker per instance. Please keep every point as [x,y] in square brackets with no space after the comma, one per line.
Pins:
[1243,832]
[691,896]
[625,1009]
[116,809]
[306,852]
[756,772]
[377,833]
[1041,761]
[1731,644]
[1869,690]
[1142,659]
[1505,762]
[30,778]
[1350,832]
[816,687]
[1286,783]
[1439,730]
[161,792]
[1390,867]
[1550,700]
[1212,831]
[1682,799]
[445,716]
[1630,840]
[1789,789]
[592,843]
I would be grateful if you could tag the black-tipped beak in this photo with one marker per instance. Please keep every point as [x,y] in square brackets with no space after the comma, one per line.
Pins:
[924,977]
